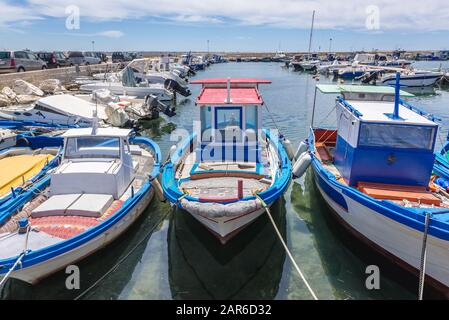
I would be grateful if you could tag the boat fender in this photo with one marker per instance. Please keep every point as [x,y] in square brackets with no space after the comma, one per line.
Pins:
[288,148]
[301,149]
[442,183]
[300,166]
[158,189]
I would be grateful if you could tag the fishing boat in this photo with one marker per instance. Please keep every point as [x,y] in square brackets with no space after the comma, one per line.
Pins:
[350,72]
[141,90]
[58,110]
[375,174]
[144,72]
[330,67]
[309,65]
[413,78]
[128,85]
[222,173]
[102,185]
[25,160]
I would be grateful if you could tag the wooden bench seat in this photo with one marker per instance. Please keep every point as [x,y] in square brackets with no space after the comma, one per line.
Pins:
[398,192]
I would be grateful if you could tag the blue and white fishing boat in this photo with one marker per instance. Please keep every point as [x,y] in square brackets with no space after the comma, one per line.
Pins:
[217,172]
[102,185]
[351,72]
[374,171]
[25,162]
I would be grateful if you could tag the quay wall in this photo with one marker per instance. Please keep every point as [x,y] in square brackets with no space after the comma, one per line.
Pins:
[65,75]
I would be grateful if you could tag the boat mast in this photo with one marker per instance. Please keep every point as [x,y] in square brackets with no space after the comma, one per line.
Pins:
[311,31]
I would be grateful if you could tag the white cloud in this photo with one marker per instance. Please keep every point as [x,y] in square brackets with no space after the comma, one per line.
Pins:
[14,14]
[196,19]
[417,15]
[107,33]
[111,34]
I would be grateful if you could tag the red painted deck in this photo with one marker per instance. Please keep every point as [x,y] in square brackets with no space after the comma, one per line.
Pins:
[66,227]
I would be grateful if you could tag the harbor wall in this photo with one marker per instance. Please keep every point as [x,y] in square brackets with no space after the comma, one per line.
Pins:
[65,75]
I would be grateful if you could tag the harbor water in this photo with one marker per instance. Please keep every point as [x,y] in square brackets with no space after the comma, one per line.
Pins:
[174,257]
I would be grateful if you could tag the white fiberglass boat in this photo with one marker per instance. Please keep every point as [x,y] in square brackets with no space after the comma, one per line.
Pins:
[58,110]
[139,91]
[413,79]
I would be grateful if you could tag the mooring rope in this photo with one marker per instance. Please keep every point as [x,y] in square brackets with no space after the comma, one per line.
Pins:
[267,209]
[422,268]
[19,260]
[116,265]
[12,269]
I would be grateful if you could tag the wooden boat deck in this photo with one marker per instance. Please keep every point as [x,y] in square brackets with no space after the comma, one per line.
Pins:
[218,181]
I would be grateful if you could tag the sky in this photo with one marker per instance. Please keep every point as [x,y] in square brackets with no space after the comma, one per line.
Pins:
[227,25]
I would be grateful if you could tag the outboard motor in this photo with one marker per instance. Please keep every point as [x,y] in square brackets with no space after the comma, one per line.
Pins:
[191,72]
[171,84]
[370,77]
[154,106]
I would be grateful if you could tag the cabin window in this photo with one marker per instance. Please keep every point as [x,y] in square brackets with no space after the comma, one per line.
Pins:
[206,118]
[396,136]
[251,117]
[228,122]
[92,147]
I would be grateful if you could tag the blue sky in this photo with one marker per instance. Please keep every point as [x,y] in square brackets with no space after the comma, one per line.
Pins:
[232,25]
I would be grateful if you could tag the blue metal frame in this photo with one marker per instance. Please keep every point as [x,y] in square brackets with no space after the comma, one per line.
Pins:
[173,193]
[240,109]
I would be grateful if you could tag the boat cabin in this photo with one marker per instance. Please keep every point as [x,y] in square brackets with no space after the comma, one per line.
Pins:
[231,118]
[94,162]
[381,141]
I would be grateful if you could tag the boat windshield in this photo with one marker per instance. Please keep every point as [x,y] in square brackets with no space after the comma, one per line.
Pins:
[396,136]
[92,147]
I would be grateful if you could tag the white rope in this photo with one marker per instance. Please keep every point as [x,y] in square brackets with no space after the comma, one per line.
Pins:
[19,259]
[286,248]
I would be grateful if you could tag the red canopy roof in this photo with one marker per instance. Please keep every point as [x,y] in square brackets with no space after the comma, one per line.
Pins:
[242,91]
[233,80]
[238,96]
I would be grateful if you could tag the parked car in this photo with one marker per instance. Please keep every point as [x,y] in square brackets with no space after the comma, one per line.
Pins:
[103,57]
[91,58]
[20,61]
[54,59]
[76,58]
[121,57]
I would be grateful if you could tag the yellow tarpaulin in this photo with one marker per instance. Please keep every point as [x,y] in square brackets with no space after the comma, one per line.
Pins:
[12,169]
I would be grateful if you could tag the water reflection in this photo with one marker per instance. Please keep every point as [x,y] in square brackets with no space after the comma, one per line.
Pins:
[249,266]
[95,266]
[343,258]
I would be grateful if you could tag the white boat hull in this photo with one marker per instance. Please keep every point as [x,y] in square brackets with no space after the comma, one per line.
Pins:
[397,241]
[416,81]
[227,227]
[139,92]
[39,271]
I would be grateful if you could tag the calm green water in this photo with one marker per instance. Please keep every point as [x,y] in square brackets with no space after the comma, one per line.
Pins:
[181,260]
